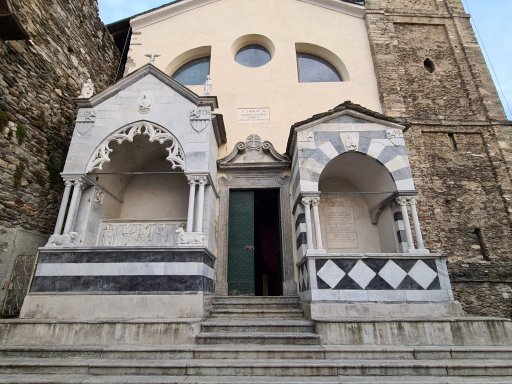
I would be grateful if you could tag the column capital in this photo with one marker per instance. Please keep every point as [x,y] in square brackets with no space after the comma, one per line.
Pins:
[80,182]
[306,201]
[202,180]
[197,179]
[412,200]
[68,182]
[402,200]
[192,180]
[315,201]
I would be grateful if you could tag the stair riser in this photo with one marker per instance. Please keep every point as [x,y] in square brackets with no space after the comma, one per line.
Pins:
[261,371]
[257,306]
[174,355]
[260,328]
[79,379]
[177,371]
[256,300]
[264,371]
[262,354]
[253,355]
[259,315]
[259,341]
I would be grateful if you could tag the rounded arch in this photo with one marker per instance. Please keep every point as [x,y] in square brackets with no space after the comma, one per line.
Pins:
[325,54]
[186,57]
[355,191]
[155,133]
[361,173]
[389,154]
[253,39]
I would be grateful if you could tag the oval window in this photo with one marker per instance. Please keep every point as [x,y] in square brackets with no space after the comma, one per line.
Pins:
[253,56]
[313,69]
[194,72]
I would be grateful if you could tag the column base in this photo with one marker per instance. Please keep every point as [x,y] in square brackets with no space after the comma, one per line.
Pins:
[312,252]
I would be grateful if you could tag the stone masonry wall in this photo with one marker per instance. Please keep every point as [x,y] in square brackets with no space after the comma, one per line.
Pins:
[38,80]
[432,74]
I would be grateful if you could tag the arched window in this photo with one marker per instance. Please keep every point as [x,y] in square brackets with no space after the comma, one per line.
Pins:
[313,69]
[194,72]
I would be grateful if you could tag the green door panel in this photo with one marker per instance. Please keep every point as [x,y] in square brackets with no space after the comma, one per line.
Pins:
[241,243]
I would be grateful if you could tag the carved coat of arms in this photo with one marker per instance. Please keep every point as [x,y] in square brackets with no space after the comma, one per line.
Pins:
[85,122]
[200,118]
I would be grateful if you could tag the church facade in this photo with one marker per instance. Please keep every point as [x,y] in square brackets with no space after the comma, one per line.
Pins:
[229,161]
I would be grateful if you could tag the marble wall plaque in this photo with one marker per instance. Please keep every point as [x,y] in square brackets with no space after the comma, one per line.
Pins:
[253,115]
[341,229]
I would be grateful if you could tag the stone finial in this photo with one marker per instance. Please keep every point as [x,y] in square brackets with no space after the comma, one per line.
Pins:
[87,90]
[208,85]
[152,57]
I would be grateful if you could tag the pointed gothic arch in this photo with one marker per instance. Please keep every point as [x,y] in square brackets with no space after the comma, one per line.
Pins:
[155,133]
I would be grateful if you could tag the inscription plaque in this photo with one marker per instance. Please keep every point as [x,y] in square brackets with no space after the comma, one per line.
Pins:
[253,115]
[341,228]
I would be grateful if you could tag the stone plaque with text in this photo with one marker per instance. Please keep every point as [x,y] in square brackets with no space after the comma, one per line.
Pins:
[341,228]
[253,115]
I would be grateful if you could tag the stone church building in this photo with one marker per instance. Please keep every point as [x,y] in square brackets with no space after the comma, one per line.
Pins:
[338,167]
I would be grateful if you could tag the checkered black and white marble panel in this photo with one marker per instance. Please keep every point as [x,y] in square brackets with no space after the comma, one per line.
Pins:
[377,274]
[304,282]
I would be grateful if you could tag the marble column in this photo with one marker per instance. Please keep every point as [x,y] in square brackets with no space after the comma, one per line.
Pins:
[315,201]
[68,183]
[191,203]
[405,216]
[203,180]
[306,201]
[73,206]
[417,228]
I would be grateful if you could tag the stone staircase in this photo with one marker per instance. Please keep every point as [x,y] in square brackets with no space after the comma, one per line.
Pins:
[257,320]
[256,340]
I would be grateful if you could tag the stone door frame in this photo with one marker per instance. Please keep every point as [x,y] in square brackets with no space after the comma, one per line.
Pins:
[256,178]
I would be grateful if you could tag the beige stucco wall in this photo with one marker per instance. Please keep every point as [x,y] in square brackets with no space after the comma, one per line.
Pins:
[219,24]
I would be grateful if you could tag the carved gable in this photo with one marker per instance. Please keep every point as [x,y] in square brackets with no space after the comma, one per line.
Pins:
[253,153]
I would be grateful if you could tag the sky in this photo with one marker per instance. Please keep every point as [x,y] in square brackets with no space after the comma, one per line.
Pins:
[492,19]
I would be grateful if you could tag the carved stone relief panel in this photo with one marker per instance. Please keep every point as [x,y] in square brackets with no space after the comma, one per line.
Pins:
[129,234]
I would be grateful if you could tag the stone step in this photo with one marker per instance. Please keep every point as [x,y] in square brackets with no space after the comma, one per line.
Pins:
[257,325]
[301,368]
[129,379]
[244,312]
[271,338]
[247,301]
[237,351]
[261,299]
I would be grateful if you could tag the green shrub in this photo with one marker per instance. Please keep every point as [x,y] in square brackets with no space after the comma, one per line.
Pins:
[21,133]
[4,119]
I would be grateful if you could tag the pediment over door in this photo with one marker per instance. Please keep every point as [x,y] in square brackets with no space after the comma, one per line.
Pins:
[254,153]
